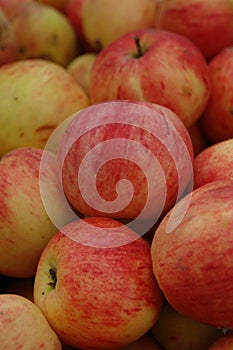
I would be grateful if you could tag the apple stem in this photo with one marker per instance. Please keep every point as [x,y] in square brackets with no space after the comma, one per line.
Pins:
[138,44]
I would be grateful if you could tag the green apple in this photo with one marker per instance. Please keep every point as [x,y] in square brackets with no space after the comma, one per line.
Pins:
[36,96]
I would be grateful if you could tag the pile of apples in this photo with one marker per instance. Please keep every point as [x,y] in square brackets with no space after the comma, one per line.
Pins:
[116,174]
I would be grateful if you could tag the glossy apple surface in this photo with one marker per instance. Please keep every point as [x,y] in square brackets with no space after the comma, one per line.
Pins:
[223,343]
[95,289]
[168,70]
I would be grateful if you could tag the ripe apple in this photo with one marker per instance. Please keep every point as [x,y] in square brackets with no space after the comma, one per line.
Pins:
[156,66]
[193,262]
[125,159]
[36,96]
[100,22]
[209,23]
[43,32]
[25,227]
[217,120]
[214,163]
[10,6]
[57,4]
[223,343]
[8,44]
[96,289]
[23,326]
[175,331]
[80,69]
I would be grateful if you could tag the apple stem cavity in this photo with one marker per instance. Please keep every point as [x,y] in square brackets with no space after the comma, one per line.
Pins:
[53,277]
[139,46]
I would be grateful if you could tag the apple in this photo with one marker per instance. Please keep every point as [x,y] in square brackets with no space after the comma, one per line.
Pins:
[8,44]
[23,326]
[175,331]
[36,96]
[57,4]
[146,342]
[80,69]
[192,261]
[25,227]
[156,66]
[100,22]
[125,159]
[223,343]
[214,163]
[43,32]
[217,120]
[10,6]
[209,23]
[97,289]
[198,138]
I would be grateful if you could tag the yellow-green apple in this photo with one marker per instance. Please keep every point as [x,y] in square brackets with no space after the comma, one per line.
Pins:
[80,69]
[19,286]
[8,43]
[146,342]
[100,22]
[96,290]
[23,326]
[36,96]
[126,160]
[214,163]
[199,139]
[153,65]
[175,331]
[217,120]
[25,227]
[209,23]
[43,32]
[193,261]
[223,343]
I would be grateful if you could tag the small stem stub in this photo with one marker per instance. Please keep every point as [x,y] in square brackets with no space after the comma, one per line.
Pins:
[138,44]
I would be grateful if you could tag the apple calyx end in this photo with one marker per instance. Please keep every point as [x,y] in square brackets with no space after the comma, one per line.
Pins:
[53,277]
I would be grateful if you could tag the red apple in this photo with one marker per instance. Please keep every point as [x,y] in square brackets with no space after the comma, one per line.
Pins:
[160,67]
[25,227]
[57,4]
[192,261]
[23,326]
[100,22]
[36,96]
[8,43]
[209,23]
[223,343]
[126,160]
[214,163]
[96,289]
[175,331]
[217,120]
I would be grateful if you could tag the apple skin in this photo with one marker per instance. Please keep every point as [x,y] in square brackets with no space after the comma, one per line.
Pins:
[24,224]
[80,69]
[171,72]
[154,128]
[57,4]
[217,120]
[36,96]
[193,262]
[214,163]
[174,331]
[100,22]
[99,295]
[223,343]
[8,43]
[23,326]
[43,32]
[209,23]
